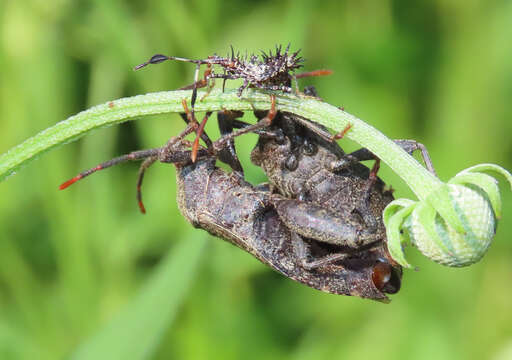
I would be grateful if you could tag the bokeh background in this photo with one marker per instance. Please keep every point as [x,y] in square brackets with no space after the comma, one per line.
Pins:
[83,275]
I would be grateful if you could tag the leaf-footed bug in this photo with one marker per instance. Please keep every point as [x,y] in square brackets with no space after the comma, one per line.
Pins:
[270,72]
[232,209]
[331,197]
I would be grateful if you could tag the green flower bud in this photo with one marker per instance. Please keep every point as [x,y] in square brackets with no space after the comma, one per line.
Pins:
[454,225]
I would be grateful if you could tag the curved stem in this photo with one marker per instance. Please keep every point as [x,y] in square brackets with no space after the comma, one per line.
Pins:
[416,176]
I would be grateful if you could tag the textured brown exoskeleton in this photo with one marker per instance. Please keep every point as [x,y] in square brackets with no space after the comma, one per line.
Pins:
[330,196]
[227,206]
[232,209]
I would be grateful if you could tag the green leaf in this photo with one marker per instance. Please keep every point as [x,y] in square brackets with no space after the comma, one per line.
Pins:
[425,215]
[393,222]
[394,206]
[441,200]
[490,167]
[136,331]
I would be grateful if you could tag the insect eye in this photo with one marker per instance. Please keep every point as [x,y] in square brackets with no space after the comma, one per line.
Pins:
[291,163]
[386,278]
[280,138]
[309,148]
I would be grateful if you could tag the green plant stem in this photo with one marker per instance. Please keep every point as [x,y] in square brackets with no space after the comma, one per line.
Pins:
[416,176]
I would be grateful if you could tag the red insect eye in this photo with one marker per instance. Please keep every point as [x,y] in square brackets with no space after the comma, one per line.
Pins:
[386,278]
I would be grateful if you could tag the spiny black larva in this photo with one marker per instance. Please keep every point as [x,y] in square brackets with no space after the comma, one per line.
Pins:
[272,71]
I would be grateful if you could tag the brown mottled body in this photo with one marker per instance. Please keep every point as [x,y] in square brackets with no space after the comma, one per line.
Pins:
[333,198]
[230,208]
[254,220]
[329,188]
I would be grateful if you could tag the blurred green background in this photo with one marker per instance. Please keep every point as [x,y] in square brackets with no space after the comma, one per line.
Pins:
[84,275]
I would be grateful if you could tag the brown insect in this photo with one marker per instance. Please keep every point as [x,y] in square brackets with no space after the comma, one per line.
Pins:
[330,196]
[248,217]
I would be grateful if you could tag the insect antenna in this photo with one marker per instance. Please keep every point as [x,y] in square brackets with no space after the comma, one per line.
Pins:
[322,72]
[142,169]
[158,58]
[133,156]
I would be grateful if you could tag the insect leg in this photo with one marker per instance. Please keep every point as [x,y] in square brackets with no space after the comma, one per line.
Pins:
[204,136]
[303,253]
[194,88]
[200,83]
[364,208]
[224,81]
[225,119]
[263,123]
[318,223]
[208,74]
[284,88]
[145,164]
[408,145]
[411,145]
[279,136]
[342,133]
[167,153]
[200,132]
[193,125]
[244,86]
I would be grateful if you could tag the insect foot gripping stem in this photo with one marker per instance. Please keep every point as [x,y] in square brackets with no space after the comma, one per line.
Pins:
[454,225]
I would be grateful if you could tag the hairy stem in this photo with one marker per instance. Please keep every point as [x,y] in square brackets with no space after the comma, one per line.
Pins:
[416,176]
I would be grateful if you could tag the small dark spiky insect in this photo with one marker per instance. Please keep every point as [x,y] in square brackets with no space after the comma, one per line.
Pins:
[270,72]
